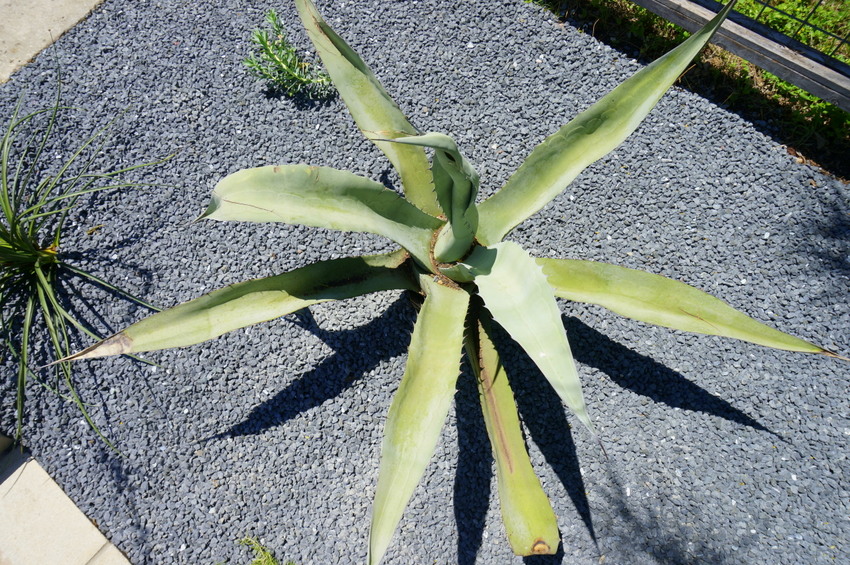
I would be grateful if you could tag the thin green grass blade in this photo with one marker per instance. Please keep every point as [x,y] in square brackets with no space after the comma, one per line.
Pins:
[529,520]
[23,365]
[252,302]
[515,291]
[591,135]
[323,197]
[661,301]
[419,407]
[107,285]
[58,332]
[375,113]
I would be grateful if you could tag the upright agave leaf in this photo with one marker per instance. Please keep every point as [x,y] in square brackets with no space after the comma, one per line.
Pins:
[456,186]
[529,520]
[419,407]
[589,136]
[375,113]
[516,293]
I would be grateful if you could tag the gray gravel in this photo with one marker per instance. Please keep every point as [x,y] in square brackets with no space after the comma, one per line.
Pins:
[718,451]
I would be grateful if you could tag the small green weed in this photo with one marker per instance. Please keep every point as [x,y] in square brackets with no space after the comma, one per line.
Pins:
[262,555]
[34,203]
[276,61]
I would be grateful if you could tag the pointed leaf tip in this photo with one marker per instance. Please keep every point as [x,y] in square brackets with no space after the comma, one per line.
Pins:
[117,344]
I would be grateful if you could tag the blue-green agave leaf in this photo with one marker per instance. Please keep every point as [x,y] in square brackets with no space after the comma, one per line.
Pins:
[515,291]
[322,197]
[661,301]
[419,407]
[456,185]
[251,302]
[375,113]
[553,164]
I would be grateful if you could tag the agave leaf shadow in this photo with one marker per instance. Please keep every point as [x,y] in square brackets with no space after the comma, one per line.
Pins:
[330,377]
[474,470]
[647,377]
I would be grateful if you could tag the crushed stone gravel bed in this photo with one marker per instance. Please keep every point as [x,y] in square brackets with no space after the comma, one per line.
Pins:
[717,451]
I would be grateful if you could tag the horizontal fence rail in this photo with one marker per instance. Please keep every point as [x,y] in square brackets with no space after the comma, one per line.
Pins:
[791,60]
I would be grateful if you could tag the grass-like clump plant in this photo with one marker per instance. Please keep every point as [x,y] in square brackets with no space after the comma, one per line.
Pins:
[277,61]
[452,250]
[36,198]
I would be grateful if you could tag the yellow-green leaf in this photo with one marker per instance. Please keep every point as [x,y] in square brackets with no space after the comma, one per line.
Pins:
[529,520]
[322,197]
[419,407]
[251,302]
[661,301]
[375,113]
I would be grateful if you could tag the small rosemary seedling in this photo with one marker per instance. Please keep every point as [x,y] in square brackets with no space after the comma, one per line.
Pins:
[276,61]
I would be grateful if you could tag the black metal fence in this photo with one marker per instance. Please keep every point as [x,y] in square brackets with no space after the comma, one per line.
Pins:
[806,23]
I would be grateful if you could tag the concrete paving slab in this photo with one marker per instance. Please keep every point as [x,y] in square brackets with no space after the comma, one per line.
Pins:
[40,524]
[28,26]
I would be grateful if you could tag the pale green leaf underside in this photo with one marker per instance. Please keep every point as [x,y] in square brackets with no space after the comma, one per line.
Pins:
[658,300]
[375,113]
[251,302]
[419,407]
[322,197]
[515,291]
[553,164]
[529,520]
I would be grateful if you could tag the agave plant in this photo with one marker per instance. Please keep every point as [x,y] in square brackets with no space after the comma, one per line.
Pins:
[452,251]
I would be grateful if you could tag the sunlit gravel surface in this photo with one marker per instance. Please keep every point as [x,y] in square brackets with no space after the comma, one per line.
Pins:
[718,452]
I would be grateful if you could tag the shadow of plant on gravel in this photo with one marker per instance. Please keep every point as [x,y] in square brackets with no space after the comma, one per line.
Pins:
[474,470]
[349,362]
[829,233]
[646,377]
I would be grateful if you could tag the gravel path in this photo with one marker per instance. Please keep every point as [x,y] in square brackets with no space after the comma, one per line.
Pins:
[718,451]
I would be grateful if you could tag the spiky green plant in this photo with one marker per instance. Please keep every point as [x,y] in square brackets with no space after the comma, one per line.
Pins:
[277,61]
[34,205]
[452,252]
